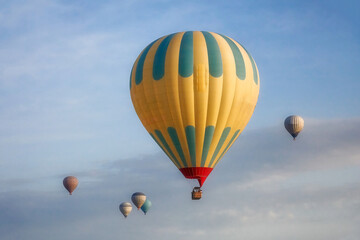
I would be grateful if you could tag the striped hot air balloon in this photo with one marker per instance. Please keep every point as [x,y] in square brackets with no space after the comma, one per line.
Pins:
[125,208]
[194,92]
[294,124]
[138,199]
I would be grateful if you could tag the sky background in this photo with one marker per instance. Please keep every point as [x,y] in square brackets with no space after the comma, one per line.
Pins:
[65,109]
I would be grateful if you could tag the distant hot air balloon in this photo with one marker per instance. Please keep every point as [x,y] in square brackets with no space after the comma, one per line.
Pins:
[138,199]
[70,183]
[194,92]
[125,208]
[146,206]
[294,124]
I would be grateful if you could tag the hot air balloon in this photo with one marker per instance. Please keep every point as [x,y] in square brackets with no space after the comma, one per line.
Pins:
[70,183]
[294,124]
[146,206]
[125,208]
[194,92]
[138,199]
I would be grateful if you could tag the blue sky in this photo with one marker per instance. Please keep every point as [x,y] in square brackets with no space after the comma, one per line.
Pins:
[65,109]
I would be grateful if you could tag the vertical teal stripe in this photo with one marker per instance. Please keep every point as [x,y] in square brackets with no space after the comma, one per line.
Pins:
[131,75]
[227,147]
[209,132]
[163,141]
[186,56]
[190,137]
[239,60]
[214,55]
[223,137]
[256,78]
[140,65]
[160,56]
[153,137]
[175,139]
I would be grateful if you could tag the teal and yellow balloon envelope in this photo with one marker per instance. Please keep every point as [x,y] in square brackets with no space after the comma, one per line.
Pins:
[194,92]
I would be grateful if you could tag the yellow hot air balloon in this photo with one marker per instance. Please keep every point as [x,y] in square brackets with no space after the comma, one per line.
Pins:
[194,92]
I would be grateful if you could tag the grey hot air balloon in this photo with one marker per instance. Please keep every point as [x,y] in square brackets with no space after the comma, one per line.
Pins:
[294,124]
[125,208]
[138,199]
[70,183]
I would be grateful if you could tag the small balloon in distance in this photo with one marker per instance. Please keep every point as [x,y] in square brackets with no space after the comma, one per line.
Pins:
[294,125]
[138,199]
[125,208]
[70,183]
[146,206]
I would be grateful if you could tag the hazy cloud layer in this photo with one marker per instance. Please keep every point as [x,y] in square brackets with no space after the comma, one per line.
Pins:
[307,189]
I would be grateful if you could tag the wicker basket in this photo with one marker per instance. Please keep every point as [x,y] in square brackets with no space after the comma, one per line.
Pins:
[196,193]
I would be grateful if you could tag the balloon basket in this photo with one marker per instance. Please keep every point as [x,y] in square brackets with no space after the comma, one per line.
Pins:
[196,193]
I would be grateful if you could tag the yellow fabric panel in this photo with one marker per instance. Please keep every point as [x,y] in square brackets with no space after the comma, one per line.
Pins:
[134,92]
[240,97]
[152,98]
[227,94]
[230,72]
[252,91]
[244,101]
[221,154]
[172,87]
[214,102]
[145,92]
[201,91]
[215,93]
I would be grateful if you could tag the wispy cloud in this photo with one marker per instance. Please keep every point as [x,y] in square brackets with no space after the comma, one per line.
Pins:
[278,194]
